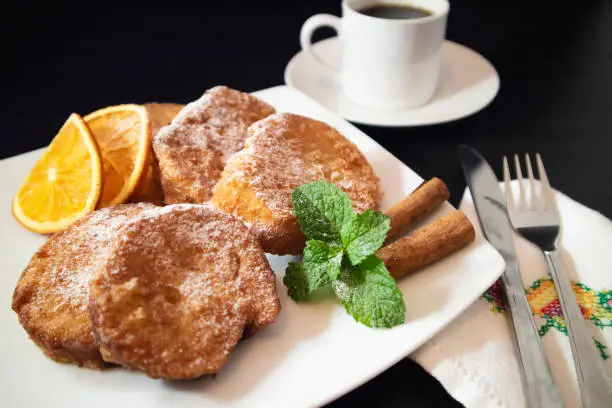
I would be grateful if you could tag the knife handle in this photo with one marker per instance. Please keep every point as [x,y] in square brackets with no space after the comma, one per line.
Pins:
[538,383]
[595,387]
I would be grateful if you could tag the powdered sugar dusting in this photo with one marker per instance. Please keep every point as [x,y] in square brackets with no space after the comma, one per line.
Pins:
[284,151]
[178,290]
[193,150]
[189,164]
[53,289]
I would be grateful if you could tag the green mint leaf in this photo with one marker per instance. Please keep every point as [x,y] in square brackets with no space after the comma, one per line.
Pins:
[364,235]
[321,209]
[370,294]
[296,282]
[321,264]
[322,260]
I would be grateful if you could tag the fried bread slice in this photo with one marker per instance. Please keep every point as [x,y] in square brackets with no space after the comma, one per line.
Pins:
[181,287]
[184,152]
[52,295]
[282,152]
[189,162]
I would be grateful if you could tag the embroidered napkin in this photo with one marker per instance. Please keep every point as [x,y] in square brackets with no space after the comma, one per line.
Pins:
[474,357]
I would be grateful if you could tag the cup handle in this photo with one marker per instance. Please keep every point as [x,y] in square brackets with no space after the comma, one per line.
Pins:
[310,26]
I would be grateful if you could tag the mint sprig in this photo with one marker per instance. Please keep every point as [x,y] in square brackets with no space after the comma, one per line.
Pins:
[319,267]
[321,211]
[370,294]
[340,252]
[364,234]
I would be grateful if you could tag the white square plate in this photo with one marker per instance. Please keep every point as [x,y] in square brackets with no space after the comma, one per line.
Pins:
[311,355]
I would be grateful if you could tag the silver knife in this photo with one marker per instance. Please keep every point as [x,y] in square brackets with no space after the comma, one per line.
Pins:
[538,383]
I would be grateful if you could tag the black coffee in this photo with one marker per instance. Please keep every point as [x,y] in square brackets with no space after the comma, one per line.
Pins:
[395,11]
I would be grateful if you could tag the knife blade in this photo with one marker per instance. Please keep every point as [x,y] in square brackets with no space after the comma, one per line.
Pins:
[538,383]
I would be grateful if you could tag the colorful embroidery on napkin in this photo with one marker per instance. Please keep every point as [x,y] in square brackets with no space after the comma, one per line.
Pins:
[494,296]
[542,296]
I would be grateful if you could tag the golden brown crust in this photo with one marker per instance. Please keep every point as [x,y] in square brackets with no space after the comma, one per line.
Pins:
[189,162]
[149,188]
[183,284]
[161,114]
[51,295]
[213,127]
[282,152]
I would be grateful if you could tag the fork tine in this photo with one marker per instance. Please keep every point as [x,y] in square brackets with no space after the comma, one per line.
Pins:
[519,176]
[546,189]
[534,196]
[508,189]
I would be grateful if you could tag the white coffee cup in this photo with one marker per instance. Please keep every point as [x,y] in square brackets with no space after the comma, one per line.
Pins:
[386,63]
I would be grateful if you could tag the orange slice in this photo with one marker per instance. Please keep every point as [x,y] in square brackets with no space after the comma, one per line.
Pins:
[123,135]
[64,184]
[149,188]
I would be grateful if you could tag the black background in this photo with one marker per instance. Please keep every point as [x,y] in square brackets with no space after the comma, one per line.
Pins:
[554,60]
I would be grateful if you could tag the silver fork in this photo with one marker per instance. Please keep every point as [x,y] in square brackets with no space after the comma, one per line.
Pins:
[538,221]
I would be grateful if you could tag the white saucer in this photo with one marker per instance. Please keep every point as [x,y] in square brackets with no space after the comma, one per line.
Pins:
[468,83]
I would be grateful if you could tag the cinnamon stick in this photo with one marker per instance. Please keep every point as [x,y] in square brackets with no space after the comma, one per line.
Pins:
[427,244]
[416,207]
